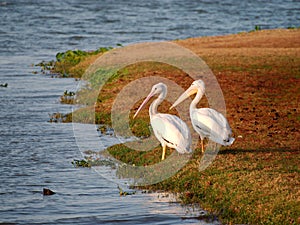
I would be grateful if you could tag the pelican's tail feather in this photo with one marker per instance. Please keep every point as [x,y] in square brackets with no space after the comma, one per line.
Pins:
[229,141]
[189,150]
[184,149]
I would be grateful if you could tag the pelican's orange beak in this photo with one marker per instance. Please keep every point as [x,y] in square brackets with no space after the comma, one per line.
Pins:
[190,91]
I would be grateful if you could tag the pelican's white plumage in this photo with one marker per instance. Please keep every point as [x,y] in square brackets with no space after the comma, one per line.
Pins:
[207,122]
[170,130]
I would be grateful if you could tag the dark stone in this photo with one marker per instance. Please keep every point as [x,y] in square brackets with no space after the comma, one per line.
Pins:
[47,191]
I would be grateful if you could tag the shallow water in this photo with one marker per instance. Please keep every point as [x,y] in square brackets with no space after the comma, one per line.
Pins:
[37,154]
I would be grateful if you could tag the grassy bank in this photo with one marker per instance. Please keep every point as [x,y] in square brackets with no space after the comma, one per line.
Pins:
[257,179]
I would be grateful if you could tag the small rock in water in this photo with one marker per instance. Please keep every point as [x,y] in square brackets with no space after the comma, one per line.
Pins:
[47,191]
[4,85]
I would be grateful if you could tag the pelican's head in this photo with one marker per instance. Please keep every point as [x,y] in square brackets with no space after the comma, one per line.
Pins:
[196,86]
[157,89]
[199,84]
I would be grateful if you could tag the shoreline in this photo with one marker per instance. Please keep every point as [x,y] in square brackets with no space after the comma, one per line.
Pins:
[257,180]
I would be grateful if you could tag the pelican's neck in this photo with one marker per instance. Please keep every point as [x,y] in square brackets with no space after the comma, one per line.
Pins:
[196,99]
[156,103]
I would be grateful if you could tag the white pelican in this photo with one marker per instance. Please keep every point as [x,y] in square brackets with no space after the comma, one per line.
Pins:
[206,122]
[171,131]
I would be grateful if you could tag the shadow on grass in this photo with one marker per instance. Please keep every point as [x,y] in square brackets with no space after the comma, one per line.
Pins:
[241,151]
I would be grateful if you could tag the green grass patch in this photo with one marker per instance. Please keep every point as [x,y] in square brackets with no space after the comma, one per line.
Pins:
[138,158]
[256,187]
[67,60]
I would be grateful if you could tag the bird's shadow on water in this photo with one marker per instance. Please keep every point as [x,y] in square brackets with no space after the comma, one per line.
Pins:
[264,150]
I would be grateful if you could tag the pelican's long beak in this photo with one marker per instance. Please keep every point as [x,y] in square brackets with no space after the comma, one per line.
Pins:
[143,104]
[190,91]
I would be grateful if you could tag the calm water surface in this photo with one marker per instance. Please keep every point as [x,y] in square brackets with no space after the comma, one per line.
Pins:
[37,154]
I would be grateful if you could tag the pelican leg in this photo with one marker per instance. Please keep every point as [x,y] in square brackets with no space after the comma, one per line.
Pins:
[202,145]
[164,152]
